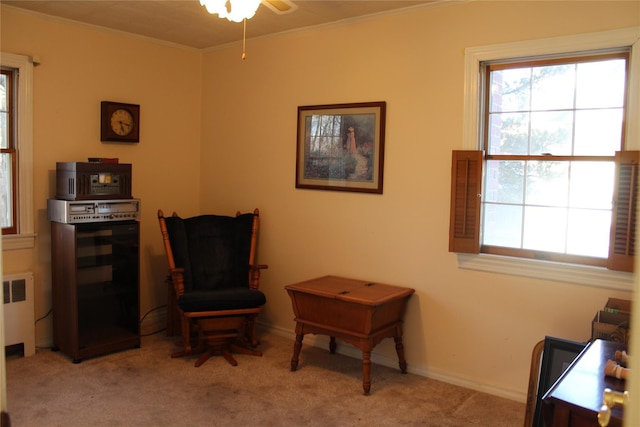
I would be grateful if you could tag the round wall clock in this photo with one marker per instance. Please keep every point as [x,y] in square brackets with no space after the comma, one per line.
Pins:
[119,122]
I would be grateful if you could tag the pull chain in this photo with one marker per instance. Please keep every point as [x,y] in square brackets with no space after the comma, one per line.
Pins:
[244,38]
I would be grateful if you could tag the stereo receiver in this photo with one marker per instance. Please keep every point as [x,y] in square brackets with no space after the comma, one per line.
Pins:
[76,211]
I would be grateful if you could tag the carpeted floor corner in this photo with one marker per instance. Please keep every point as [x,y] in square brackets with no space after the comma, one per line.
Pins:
[145,387]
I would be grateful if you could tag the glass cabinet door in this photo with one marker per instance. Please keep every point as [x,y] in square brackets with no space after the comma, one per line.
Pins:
[107,257]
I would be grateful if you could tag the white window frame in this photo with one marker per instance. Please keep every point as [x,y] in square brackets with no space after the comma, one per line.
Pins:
[474,56]
[25,236]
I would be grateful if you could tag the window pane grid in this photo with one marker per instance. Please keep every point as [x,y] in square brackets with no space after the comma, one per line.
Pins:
[561,109]
[5,103]
[549,205]
[7,185]
[8,155]
[544,203]
[551,134]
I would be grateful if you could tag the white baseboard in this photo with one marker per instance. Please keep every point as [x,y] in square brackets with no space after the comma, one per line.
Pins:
[380,359]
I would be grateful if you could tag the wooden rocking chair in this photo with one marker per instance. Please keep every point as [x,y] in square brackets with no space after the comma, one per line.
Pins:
[215,281]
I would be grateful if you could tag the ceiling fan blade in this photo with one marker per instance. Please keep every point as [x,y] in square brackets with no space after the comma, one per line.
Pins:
[280,6]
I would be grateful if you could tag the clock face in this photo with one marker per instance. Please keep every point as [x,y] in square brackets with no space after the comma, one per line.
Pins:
[122,122]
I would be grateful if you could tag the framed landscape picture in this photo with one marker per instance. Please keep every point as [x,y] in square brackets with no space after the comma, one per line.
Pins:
[341,147]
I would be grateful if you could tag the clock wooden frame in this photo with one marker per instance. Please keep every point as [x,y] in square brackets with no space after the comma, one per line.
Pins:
[107,108]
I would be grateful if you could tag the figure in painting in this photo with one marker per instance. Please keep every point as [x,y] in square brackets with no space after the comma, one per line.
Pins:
[351,140]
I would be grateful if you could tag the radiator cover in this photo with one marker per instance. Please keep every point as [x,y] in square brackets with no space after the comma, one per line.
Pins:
[19,318]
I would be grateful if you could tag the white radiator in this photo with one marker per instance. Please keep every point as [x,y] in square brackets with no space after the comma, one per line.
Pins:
[19,317]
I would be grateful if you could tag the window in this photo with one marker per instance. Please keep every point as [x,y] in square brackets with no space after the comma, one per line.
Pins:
[16,142]
[7,152]
[547,173]
[551,131]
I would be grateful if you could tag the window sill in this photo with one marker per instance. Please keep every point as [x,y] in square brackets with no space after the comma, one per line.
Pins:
[556,271]
[18,241]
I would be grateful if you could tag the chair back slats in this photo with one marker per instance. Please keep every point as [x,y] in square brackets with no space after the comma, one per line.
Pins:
[219,249]
[191,244]
[179,248]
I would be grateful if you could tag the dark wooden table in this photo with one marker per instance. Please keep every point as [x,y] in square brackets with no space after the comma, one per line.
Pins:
[575,399]
[358,312]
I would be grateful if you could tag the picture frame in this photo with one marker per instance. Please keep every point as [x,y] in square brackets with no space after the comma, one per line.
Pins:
[557,355]
[340,147]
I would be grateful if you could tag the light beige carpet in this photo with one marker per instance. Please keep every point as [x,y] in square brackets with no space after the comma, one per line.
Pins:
[145,387]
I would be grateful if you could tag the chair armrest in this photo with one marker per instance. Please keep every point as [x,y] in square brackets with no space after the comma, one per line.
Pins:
[177,278]
[254,275]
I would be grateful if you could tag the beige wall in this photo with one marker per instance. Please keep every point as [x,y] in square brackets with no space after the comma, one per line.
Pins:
[82,66]
[472,327]
[218,134]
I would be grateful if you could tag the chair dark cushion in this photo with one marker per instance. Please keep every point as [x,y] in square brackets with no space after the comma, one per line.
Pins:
[225,299]
[212,249]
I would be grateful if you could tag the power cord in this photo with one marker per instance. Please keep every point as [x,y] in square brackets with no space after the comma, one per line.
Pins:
[149,312]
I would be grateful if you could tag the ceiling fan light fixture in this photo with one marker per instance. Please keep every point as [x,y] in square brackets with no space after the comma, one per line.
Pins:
[233,10]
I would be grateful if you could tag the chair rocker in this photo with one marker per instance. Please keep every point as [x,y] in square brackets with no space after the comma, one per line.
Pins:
[215,281]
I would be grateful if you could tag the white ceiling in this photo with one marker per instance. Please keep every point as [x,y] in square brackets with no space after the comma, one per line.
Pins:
[186,23]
